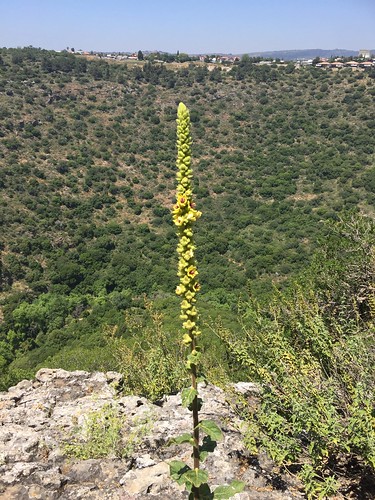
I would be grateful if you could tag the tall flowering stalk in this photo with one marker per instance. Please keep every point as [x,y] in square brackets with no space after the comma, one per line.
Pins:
[184,216]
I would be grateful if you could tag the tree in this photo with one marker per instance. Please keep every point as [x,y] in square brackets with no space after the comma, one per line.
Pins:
[140,55]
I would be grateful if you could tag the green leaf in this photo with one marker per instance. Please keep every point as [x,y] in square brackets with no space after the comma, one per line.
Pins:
[199,404]
[211,429]
[196,476]
[204,493]
[178,469]
[207,447]
[183,438]
[193,359]
[188,395]
[228,491]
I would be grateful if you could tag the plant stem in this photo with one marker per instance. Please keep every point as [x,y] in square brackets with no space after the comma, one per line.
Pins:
[195,412]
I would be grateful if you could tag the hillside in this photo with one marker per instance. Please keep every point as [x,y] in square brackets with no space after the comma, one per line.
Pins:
[293,55]
[87,154]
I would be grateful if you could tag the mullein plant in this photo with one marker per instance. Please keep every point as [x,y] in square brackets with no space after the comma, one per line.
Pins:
[184,217]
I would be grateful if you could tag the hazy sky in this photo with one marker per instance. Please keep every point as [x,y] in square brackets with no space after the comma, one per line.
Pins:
[193,26]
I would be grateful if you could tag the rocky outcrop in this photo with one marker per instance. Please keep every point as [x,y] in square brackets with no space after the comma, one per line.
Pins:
[40,418]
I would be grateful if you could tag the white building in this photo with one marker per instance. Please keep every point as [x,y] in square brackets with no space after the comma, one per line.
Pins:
[366,54]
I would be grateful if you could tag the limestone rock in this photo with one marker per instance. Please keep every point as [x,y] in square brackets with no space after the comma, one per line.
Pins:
[40,417]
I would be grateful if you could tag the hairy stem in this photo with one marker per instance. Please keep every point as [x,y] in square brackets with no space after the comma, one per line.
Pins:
[195,412]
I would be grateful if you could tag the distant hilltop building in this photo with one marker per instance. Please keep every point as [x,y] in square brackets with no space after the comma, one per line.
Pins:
[366,54]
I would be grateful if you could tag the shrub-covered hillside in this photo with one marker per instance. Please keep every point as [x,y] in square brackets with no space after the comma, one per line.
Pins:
[87,175]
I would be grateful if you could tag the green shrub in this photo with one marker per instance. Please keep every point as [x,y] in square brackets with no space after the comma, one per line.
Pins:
[149,361]
[312,349]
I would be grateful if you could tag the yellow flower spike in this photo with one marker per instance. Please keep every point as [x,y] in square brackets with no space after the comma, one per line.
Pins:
[184,215]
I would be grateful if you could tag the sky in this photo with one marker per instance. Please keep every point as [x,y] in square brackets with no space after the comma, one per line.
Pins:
[192,26]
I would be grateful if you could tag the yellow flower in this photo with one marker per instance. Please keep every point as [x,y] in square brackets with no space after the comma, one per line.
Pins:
[179,221]
[188,255]
[186,339]
[185,280]
[192,271]
[176,210]
[182,201]
[188,325]
[182,264]
[184,241]
[193,215]
[191,312]
[180,289]
[189,295]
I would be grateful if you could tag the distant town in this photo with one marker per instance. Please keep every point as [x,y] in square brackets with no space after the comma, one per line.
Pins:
[361,60]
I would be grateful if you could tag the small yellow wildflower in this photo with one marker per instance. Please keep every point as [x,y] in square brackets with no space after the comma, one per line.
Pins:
[189,295]
[188,325]
[185,305]
[192,271]
[186,339]
[180,290]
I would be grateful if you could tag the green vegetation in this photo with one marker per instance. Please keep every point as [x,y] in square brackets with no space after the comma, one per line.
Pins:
[86,148]
[312,348]
[86,180]
[104,433]
[150,362]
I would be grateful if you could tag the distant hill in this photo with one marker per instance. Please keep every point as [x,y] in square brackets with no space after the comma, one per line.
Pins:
[292,55]
[87,182]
